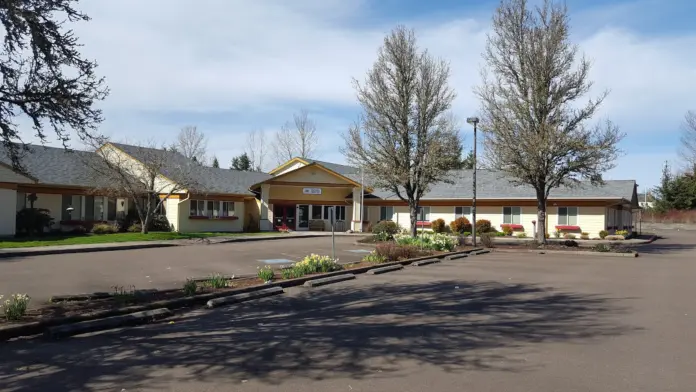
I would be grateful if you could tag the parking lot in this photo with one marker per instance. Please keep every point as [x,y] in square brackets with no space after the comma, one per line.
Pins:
[497,322]
[162,268]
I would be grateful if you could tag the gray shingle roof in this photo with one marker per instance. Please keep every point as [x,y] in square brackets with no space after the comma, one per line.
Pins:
[495,185]
[207,179]
[338,168]
[51,165]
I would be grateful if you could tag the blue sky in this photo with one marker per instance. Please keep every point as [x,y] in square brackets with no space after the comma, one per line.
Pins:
[230,67]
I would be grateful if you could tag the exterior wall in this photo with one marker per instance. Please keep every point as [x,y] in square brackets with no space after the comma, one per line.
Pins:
[252,214]
[313,175]
[295,193]
[172,208]
[53,203]
[590,219]
[187,225]
[8,197]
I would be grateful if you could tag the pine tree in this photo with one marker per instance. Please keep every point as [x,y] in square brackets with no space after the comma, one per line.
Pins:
[216,164]
[242,162]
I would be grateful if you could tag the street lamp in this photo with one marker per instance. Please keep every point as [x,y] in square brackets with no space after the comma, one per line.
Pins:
[474,121]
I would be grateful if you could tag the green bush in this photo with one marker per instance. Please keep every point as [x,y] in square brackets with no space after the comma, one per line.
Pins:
[601,248]
[159,223]
[521,235]
[438,225]
[496,234]
[466,234]
[622,232]
[15,307]
[103,228]
[79,229]
[460,225]
[483,226]
[569,236]
[190,287]
[135,228]
[603,234]
[430,241]
[557,233]
[33,221]
[266,274]
[374,257]
[385,230]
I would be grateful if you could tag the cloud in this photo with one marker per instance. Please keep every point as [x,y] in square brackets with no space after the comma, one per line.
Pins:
[232,66]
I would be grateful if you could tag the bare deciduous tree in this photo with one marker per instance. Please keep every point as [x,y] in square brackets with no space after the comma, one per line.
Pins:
[256,149]
[405,139]
[688,139]
[141,181]
[192,144]
[296,139]
[44,77]
[534,130]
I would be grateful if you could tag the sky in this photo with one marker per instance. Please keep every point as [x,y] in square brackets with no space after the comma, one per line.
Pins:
[232,66]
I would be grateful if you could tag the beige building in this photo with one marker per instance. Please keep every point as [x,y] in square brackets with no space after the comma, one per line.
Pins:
[300,195]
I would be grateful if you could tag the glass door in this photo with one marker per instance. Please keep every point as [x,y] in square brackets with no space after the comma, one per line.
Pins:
[303,217]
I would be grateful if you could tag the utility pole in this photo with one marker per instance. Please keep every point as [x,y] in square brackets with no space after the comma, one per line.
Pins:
[474,121]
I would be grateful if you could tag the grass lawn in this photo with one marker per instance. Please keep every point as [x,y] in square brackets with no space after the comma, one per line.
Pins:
[110,238]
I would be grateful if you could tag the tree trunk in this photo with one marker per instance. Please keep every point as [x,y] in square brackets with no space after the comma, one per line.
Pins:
[145,223]
[540,235]
[413,210]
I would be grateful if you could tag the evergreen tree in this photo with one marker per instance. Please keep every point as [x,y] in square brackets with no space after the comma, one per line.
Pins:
[242,162]
[216,164]
[468,162]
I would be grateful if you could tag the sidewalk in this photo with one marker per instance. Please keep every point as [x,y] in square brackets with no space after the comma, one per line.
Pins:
[87,248]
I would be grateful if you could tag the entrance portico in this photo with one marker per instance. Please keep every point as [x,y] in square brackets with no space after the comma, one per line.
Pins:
[300,199]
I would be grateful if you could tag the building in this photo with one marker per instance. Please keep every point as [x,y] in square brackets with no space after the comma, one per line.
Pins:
[298,195]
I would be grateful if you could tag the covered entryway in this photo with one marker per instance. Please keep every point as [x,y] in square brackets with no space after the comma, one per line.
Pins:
[284,216]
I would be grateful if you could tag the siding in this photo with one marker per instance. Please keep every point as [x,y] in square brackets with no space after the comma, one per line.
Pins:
[187,225]
[8,197]
[290,168]
[172,208]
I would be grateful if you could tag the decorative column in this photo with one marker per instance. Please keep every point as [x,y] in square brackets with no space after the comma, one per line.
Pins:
[356,222]
[265,223]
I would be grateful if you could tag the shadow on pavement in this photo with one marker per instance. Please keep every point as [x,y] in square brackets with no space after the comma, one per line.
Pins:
[372,331]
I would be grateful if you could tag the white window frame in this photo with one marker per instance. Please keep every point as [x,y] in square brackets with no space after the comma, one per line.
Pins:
[423,214]
[577,216]
[512,216]
[214,213]
[339,217]
[468,216]
[387,215]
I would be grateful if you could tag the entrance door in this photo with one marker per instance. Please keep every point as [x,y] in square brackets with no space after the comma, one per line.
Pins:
[303,217]
[284,215]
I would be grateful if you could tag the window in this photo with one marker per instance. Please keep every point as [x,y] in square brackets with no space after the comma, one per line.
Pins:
[424,214]
[568,216]
[99,214]
[462,212]
[211,208]
[197,208]
[340,212]
[316,212]
[386,213]
[511,215]
[227,208]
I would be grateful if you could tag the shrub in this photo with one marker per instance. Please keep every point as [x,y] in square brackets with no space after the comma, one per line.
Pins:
[603,234]
[483,226]
[585,233]
[29,221]
[507,230]
[159,223]
[374,257]
[430,241]
[557,233]
[601,248]
[614,238]
[395,252]
[135,228]
[547,235]
[522,235]
[216,281]
[584,236]
[487,240]
[460,225]
[15,307]
[79,229]
[190,287]
[497,234]
[466,233]
[265,274]
[569,236]
[570,243]
[103,228]
[438,225]
[622,232]
[385,230]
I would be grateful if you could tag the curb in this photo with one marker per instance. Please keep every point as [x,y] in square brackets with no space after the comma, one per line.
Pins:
[382,270]
[125,320]
[237,298]
[329,280]
[457,257]
[425,262]
[44,252]
[571,252]
[480,252]
[37,327]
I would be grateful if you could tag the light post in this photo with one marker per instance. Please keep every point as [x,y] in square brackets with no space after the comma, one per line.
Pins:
[474,121]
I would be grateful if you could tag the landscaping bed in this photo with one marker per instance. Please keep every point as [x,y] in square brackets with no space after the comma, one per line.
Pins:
[599,248]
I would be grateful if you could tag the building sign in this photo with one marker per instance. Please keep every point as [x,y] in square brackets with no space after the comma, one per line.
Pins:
[311,191]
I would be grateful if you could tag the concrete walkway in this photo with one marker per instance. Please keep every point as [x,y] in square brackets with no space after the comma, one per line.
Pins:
[88,248]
